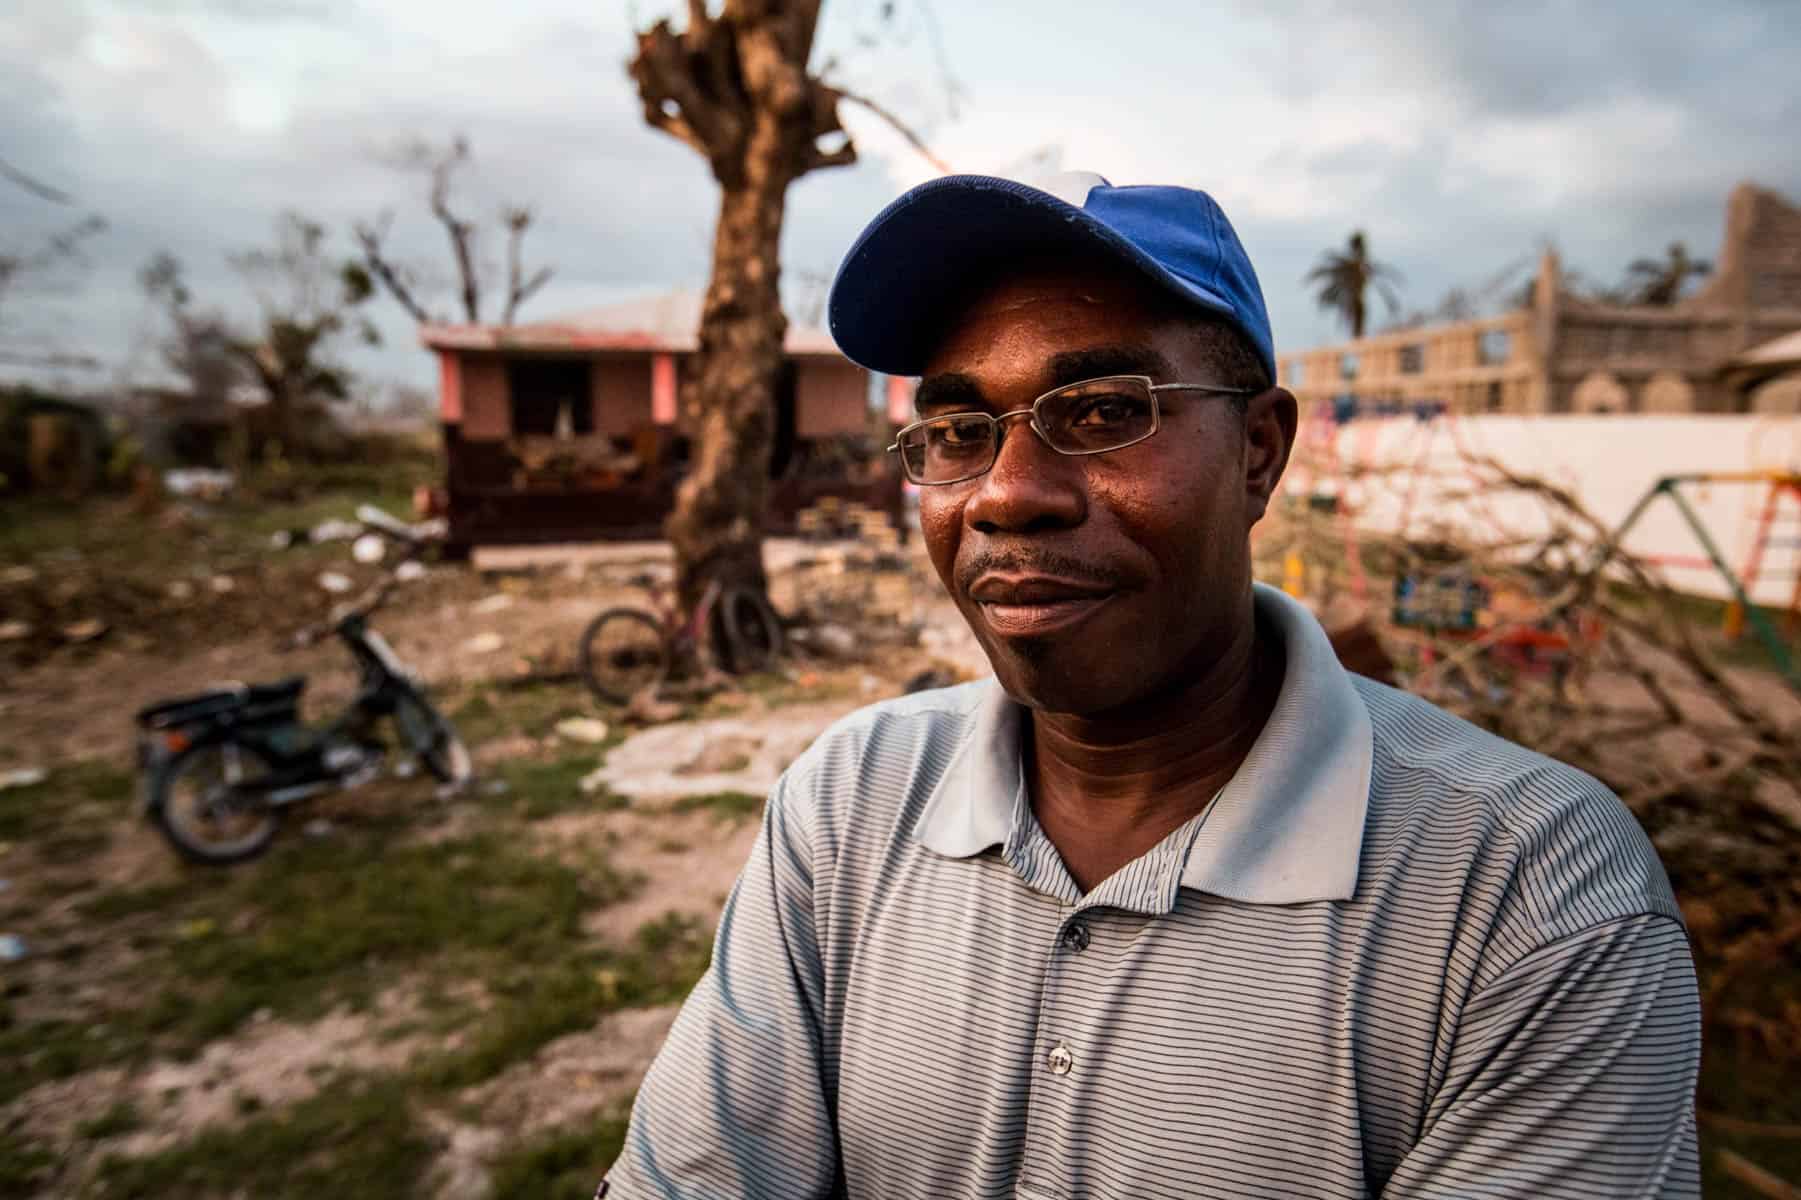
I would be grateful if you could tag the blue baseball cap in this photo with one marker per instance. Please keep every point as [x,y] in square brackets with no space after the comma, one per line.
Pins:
[922,254]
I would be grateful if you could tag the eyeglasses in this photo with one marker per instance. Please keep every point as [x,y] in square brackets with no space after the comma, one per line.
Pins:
[1090,417]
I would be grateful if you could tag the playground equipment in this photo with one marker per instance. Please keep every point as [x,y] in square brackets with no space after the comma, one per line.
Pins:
[1779,485]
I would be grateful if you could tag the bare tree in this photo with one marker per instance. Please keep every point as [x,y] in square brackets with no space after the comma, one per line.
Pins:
[59,248]
[441,165]
[201,348]
[735,87]
[309,304]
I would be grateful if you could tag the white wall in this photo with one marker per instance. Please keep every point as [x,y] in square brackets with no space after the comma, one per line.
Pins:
[1607,462]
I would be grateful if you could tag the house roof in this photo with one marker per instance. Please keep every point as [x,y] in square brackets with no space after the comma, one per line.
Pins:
[668,323]
[1784,351]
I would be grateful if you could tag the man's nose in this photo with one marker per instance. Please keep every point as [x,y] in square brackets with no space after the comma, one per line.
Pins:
[1029,487]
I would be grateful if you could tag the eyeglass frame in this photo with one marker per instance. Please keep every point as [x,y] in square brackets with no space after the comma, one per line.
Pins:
[1031,411]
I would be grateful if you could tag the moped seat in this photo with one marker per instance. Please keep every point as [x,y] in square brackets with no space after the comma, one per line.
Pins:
[281,691]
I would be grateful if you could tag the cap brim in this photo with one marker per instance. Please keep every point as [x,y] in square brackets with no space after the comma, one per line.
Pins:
[923,255]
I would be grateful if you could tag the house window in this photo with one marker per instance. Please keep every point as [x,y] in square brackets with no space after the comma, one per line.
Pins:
[1495,399]
[1347,366]
[1297,374]
[549,396]
[1413,359]
[1495,346]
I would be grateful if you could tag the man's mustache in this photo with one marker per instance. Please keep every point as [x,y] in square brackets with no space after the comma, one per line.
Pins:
[1035,562]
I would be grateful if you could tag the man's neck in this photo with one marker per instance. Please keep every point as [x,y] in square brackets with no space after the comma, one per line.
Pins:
[1107,788]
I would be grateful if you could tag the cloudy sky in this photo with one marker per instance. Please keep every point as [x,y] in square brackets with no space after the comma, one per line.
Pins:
[1461,136]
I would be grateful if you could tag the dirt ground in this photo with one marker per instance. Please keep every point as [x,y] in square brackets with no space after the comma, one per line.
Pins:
[342,1015]
[627,845]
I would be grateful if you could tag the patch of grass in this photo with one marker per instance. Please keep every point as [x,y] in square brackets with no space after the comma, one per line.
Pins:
[539,789]
[122,1118]
[564,1164]
[33,1053]
[23,1166]
[330,921]
[727,806]
[533,711]
[76,801]
[119,903]
[353,1140]
[534,1008]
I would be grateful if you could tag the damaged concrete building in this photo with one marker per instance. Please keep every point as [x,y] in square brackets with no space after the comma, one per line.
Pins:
[1718,350]
[569,431]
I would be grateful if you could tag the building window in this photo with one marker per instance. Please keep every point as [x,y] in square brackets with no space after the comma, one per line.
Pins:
[1413,359]
[1347,366]
[1297,375]
[1495,401]
[1494,347]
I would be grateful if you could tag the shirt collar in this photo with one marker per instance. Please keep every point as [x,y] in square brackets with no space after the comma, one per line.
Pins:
[1287,828]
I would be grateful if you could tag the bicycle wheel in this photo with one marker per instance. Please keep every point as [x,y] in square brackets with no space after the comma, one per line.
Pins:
[193,802]
[623,652]
[752,632]
[430,736]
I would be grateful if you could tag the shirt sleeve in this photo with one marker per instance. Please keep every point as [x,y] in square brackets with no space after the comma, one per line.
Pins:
[1572,1074]
[735,1104]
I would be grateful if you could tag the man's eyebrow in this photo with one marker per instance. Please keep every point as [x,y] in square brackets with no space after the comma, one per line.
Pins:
[952,391]
[1073,366]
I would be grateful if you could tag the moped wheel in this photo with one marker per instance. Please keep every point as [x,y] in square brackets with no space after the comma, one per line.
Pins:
[430,735]
[192,802]
[623,652]
[751,632]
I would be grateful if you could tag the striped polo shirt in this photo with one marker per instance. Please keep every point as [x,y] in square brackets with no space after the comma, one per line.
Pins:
[1396,956]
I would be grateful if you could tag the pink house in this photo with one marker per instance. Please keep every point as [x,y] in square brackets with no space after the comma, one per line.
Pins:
[569,430]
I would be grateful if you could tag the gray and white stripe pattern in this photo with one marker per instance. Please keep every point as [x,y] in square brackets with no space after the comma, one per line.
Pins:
[1396,957]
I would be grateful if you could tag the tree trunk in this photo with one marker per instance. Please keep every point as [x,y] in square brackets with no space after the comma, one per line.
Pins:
[717,526]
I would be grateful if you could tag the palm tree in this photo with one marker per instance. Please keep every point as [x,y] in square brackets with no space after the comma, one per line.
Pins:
[1649,281]
[1346,276]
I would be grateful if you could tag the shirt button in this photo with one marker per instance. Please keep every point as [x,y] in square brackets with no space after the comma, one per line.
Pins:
[1060,1059]
[1075,936]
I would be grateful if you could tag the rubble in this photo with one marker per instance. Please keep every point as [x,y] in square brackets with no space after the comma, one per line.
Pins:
[589,730]
[483,643]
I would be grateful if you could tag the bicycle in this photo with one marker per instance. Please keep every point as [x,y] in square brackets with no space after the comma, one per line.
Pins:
[627,651]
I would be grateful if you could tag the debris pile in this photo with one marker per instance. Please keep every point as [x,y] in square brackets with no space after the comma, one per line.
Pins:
[1544,629]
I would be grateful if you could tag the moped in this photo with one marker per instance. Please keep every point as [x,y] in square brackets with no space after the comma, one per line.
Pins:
[221,768]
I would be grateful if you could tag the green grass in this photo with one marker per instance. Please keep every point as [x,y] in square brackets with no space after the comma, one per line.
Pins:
[531,1009]
[354,1140]
[70,809]
[563,1164]
[23,1166]
[314,925]
[331,922]
[727,806]
[360,1138]
[539,789]
[122,1118]
[531,710]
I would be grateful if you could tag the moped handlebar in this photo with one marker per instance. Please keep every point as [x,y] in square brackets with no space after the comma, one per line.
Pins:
[376,521]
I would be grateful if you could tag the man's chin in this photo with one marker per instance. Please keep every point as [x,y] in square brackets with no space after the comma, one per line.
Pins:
[1045,677]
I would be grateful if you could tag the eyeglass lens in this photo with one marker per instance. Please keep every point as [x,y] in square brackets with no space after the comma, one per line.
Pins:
[1084,418]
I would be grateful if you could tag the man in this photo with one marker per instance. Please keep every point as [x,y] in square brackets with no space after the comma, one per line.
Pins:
[1173,905]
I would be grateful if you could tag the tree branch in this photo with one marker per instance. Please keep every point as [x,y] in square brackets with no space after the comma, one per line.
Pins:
[519,289]
[696,73]
[42,191]
[461,232]
[369,238]
[899,126]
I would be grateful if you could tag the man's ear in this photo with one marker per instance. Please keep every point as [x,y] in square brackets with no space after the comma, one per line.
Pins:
[1270,421]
